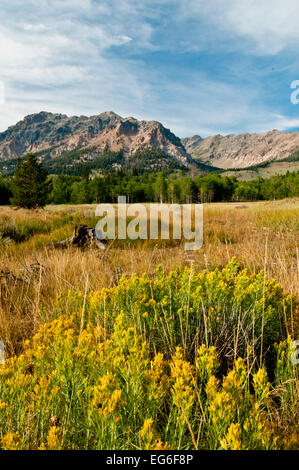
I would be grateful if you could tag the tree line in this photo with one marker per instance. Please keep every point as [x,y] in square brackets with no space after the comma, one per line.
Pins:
[31,187]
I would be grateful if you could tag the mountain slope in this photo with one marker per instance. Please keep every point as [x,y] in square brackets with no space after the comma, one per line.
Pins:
[243,150]
[56,134]
[108,142]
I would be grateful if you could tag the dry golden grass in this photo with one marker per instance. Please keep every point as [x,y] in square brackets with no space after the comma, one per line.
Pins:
[262,235]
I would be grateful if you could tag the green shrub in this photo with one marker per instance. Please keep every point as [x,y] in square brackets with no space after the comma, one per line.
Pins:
[227,308]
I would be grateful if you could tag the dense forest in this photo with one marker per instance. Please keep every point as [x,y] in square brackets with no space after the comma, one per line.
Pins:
[145,159]
[158,186]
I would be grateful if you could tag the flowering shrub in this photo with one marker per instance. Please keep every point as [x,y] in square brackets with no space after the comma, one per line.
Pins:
[238,419]
[134,367]
[227,308]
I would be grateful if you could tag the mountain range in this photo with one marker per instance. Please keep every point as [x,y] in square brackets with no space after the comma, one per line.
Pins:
[56,136]
[242,150]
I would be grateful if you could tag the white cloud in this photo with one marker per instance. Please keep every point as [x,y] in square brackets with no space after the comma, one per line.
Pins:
[88,56]
[59,56]
[262,26]
[34,27]
[284,123]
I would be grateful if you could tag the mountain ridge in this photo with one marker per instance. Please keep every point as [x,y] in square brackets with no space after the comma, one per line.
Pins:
[242,150]
[53,135]
[61,134]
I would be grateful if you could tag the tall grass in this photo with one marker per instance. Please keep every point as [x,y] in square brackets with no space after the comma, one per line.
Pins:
[33,275]
[225,312]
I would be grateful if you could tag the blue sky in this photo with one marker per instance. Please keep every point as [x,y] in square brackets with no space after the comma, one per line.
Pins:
[200,67]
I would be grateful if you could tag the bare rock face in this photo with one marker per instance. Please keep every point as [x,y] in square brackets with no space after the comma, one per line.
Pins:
[190,143]
[56,134]
[243,150]
[60,134]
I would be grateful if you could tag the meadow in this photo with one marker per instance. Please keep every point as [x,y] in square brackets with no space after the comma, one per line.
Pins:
[146,345]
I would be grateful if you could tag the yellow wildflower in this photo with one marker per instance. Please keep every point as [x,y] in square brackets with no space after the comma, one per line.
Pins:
[42,447]
[206,362]
[147,430]
[222,407]
[150,439]
[235,380]
[11,441]
[54,438]
[232,440]
[212,386]
[183,388]
[160,446]
[260,428]
[261,384]
[106,398]
[158,379]
[2,404]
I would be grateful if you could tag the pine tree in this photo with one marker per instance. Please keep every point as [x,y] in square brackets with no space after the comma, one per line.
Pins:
[30,186]
[5,191]
[85,173]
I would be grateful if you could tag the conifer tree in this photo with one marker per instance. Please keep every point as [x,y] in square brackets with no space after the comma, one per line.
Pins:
[30,186]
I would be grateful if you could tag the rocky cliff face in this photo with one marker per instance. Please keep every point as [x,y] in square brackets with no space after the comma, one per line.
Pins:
[57,134]
[243,150]
[60,134]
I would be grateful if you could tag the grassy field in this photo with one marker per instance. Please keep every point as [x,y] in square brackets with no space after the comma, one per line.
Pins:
[146,345]
[266,171]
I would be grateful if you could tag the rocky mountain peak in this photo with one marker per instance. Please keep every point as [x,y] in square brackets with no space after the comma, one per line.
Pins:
[59,133]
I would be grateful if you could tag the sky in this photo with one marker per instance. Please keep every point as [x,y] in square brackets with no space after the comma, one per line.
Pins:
[199,67]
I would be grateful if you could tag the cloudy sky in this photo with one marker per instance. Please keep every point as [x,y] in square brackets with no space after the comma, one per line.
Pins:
[200,67]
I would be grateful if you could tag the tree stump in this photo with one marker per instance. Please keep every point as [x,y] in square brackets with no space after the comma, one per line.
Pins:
[84,237]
